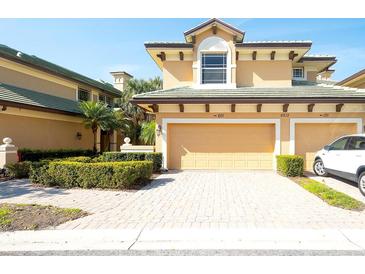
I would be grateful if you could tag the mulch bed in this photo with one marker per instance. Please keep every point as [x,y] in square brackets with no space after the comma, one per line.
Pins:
[35,217]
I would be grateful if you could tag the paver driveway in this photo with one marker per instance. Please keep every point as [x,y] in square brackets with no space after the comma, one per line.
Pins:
[207,199]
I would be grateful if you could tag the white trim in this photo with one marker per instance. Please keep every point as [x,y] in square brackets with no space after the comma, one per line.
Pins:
[295,121]
[166,121]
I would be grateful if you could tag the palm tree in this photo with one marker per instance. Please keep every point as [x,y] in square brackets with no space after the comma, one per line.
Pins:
[96,115]
[134,116]
[148,132]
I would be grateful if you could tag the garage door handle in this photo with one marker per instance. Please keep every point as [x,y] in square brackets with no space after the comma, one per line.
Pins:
[337,154]
[358,155]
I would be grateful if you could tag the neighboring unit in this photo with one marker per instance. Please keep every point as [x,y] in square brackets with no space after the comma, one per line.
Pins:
[39,103]
[356,80]
[232,104]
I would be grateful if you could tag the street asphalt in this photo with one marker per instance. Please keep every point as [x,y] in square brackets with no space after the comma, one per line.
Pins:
[202,252]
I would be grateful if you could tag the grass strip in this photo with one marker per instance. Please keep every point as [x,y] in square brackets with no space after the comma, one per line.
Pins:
[329,195]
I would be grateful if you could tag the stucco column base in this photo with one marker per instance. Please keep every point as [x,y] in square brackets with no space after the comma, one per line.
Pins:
[8,153]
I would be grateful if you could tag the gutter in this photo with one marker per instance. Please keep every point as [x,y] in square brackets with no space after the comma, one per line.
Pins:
[252,100]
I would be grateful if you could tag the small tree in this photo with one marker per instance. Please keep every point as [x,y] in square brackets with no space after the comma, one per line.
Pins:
[133,116]
[96,115]
[148,133]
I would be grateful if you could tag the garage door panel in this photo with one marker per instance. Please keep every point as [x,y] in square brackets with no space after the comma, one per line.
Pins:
[311,137]
[216,146]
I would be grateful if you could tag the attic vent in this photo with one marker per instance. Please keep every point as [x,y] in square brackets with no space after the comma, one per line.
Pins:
[19,54]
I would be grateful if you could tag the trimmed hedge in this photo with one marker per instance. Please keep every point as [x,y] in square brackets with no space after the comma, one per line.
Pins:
[18,170]
[112,175]
[155,157]
[290,165]
[34,155]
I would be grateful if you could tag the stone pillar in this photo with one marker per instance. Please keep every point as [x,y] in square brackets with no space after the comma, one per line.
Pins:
[113,145]
[8,152]
[98,140]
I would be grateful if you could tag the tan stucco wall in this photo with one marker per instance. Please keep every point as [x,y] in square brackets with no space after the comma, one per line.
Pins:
[23,76]
[23,80]
[43,133]
[177,74]
[264,73]
[284,121]
[311,76]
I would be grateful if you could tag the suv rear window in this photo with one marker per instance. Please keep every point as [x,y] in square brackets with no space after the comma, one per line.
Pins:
[357,143]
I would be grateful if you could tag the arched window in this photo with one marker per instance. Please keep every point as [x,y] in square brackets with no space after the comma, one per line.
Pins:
[214,63]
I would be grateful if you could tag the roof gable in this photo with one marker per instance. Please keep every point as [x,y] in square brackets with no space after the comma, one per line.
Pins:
[214,23]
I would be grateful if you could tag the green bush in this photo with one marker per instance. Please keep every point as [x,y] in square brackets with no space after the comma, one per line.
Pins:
[18,170]
[155,157]
[290,165]
[114,175]
[38,172]
[34,155]
[80,159]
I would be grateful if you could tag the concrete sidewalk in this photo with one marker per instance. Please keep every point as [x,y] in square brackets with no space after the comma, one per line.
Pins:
[184,239]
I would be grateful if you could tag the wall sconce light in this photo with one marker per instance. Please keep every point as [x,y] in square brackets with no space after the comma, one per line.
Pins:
[78,135]
[158,130]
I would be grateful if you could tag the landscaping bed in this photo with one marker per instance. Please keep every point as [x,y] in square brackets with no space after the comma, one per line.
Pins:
[329,195]
[292,166]
[34,217]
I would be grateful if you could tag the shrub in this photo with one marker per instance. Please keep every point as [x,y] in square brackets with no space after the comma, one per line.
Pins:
[18,170]
[155,157]
[80,159]
[117,175]
[290,165]
[34,155]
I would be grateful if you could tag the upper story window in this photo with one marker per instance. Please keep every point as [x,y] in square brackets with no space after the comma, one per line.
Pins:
[298,73]
[214,68]
[83,94]
[106,99]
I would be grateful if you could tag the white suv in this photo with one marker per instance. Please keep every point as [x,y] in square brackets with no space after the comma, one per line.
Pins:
[345,158]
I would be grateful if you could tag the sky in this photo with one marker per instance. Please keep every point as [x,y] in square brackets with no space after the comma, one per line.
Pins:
[94,47]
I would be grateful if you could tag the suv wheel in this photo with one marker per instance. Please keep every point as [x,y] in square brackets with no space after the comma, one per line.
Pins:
[318,168]
[361,183]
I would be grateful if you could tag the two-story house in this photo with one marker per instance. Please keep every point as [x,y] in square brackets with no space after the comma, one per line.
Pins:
[228,103]
[39,103]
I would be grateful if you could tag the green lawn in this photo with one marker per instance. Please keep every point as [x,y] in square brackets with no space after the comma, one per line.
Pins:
[329,195]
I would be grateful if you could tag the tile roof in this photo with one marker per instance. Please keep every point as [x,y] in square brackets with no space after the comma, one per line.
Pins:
[294,43]
[168,45]
[30,98]
[301,90]
[18,56]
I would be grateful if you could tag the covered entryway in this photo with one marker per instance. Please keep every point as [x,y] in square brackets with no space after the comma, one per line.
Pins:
[311,137]
[220,146]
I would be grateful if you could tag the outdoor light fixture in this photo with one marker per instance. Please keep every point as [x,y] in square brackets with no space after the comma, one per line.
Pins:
[158,130]
[78,135]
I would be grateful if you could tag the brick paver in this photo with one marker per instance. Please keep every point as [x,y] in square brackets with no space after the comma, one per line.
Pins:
[201,199]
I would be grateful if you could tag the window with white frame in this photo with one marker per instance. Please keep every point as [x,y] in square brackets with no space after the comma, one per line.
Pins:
[213,68]
[298,73]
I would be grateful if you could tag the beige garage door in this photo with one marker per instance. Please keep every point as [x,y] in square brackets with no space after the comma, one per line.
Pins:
[309,138]
[217,146]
